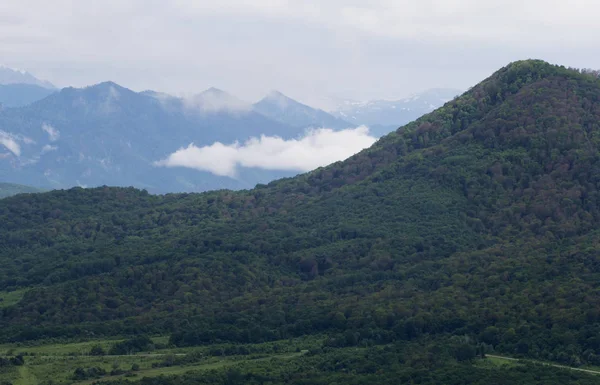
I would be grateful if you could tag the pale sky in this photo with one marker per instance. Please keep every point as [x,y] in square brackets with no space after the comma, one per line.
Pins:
[305,48]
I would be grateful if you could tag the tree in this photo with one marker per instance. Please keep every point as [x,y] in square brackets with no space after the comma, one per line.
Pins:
[464,352]
[97,350]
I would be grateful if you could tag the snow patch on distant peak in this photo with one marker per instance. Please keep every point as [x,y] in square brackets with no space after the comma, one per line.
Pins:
[10,75]
[19,70]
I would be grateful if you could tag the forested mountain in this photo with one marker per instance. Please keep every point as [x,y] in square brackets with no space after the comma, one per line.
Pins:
[283,109]
[10,189]
[18,95]
[385,116]
[477,223]
[108,134]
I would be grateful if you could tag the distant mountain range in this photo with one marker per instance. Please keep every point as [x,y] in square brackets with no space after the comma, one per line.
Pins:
[10,189]
[107,134]
[384,116]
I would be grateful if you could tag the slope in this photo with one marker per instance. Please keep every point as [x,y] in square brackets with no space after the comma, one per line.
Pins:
[283,109]
[18,95]
[16,76]
[10,189]
[476,221]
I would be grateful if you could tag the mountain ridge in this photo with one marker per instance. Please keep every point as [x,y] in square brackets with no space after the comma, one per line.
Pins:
[108,134]
[284,109]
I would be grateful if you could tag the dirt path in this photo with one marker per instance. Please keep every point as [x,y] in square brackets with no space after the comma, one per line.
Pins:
[25,376]
[68,357]
[545,363]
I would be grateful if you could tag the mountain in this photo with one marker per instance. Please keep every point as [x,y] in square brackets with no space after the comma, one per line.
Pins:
[384,116]
[283,109]
[10,189]
[109,135]
[215,100]
[18,95]
[15,76]
[472,230]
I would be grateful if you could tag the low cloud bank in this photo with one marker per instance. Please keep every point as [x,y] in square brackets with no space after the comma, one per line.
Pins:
[317,148]
[10,142]
[53,133]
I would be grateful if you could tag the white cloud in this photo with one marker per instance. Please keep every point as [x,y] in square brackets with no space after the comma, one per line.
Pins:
[53,133]
[10,142]
[217,158]
[48,148]
[26,140]
[500,20]
[317,148]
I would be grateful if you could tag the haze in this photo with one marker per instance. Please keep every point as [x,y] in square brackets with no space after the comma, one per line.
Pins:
[310,50]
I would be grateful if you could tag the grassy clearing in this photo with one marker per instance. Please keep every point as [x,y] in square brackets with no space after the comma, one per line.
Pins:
[501,362]
[65,349]
[177,370]
[25,377]
[59,370]
[9,298]
[57,362]
[56,349]
[39,370]
[507,361]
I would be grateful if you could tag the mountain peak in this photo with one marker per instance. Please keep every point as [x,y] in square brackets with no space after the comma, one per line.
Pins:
[109,87]
[527,71]
[282,108]
[216,100]
[274,94]
[215,91]
[279,99]
[106,84]
[18,76]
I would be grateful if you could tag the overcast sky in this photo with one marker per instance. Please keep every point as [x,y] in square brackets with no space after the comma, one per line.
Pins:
[306,48]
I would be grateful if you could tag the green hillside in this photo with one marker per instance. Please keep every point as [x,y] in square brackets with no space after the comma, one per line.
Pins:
[471,230]
[10,189]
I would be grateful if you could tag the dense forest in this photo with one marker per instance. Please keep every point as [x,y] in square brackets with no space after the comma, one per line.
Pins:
[477,221]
